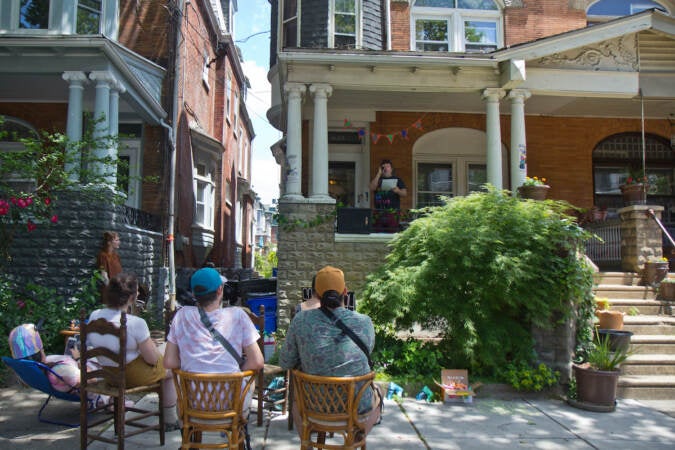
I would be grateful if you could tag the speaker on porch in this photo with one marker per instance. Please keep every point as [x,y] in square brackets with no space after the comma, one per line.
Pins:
[354,220]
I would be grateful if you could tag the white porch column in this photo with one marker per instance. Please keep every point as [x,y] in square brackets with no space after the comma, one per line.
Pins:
[494,136]
[76,81]
[319,189]
[293,168]
[518,141]
[104,81]
[113,125]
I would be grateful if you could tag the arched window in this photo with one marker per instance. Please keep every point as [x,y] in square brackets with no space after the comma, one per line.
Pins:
[12,131]
[620,155]
[456,26]
[605,10]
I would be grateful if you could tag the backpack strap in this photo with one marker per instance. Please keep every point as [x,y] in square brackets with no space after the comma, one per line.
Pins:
[219,337]
[348,331]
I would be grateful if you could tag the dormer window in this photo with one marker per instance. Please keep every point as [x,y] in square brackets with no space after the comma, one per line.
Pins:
[35,17]
[606,10]
[89,16]
[456,26]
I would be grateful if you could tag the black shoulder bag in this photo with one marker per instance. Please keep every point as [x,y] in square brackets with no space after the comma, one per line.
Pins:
[357,340]
[219,337]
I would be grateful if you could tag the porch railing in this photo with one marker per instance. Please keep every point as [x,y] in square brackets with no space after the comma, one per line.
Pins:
[606,251]
[141,219]
[366,220]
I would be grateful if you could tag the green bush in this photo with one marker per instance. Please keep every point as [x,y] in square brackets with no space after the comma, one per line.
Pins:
[31,303]
[526,378]
[482,269]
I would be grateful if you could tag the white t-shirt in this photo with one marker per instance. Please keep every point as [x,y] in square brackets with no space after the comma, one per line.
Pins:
[199,351]
[137,332]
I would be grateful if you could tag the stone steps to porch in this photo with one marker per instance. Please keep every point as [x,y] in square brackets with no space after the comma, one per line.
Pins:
[649,373]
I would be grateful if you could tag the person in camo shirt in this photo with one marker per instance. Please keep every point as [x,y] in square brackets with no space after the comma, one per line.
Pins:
[318,347]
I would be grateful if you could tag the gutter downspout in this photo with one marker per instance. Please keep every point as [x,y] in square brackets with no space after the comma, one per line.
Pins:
[173,134]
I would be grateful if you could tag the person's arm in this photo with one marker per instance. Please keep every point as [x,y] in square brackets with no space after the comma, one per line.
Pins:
[254,357]
[171,356]
[149,351]
[289,358]
[375,182]
[400,189]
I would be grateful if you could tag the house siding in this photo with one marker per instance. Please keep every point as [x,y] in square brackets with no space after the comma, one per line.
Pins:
[314,24]
[374,37]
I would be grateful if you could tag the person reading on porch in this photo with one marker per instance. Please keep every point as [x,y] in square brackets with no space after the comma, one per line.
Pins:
[144,360]
[318,347]
[388,192]
[311,303]
[190,345]
[108,260]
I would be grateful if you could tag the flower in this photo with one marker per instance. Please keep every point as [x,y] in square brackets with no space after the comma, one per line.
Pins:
[534,181]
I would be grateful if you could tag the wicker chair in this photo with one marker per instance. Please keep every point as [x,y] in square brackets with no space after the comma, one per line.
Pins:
[213,403]
[114,385]
[262,395]
[330,405]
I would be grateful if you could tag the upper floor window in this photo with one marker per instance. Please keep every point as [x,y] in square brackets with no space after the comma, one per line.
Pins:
[345,15]
[59,16]
[456,26]
[12,132]
[89,16]
[34,14]
[605,10]
[290,24]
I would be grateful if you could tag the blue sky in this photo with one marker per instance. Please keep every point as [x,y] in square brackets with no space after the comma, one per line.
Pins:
[253,16]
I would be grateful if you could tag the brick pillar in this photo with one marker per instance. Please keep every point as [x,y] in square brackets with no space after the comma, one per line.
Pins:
[641,236]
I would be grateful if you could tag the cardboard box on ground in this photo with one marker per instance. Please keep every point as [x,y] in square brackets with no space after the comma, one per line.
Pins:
[455,386]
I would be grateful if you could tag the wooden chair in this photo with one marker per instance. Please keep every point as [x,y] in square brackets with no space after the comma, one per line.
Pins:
[330,405]
[213,403]
[114,385]
[262,395]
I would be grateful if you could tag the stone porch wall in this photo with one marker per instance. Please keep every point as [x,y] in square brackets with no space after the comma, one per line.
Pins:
[302,250]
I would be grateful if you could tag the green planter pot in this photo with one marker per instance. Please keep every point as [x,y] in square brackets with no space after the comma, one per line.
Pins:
[596,389]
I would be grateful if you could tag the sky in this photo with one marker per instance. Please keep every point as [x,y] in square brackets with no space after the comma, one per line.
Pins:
[252,17]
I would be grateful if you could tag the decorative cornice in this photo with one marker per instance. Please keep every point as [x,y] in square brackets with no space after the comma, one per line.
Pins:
[617,54]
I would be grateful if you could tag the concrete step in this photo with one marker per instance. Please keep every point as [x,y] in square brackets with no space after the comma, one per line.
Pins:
[633,306]
[620,278]
[617,291]
[650,364]
[653,344]
[646,387]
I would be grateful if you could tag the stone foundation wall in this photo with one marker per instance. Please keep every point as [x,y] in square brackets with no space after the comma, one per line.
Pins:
[641,237]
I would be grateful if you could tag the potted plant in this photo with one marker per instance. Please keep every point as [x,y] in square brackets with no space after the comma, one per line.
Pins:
[597,378]
[607,318]
[655,270]
[634,189]
[667,289]
[534,188]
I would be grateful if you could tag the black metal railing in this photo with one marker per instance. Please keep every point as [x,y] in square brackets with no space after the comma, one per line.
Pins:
[605,251]
[140,219]
[367,220]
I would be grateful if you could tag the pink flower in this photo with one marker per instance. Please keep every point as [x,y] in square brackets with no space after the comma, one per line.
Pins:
[47,201]
[21,203]
[54,218]
[20,304]
[4,207]
[31,226]
[13,200]
[29,201]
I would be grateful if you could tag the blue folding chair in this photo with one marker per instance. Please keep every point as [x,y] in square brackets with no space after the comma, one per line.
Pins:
[34,374]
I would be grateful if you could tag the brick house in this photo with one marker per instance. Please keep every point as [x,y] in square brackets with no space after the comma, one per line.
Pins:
[457,93]
[167,76]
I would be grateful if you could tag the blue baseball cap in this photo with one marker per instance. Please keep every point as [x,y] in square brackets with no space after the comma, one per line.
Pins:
[205,281]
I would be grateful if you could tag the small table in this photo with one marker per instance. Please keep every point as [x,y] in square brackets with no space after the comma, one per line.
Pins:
[69,333]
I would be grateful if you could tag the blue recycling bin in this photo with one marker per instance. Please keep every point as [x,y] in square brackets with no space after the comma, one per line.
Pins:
[269,301]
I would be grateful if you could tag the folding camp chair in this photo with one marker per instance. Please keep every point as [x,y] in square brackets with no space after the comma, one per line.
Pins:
[34,374]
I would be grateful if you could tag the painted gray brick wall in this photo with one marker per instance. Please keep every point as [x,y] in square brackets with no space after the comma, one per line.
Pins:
[63,255]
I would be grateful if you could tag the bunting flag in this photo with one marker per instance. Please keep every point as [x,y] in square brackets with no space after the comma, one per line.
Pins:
[375,137]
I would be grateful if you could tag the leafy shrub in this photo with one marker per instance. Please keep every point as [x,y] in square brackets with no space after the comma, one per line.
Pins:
[32,303]
[486,267]
[526,378]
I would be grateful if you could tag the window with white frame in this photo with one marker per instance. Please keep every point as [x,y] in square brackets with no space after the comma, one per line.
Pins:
[228,96]
[606,10]
[236,111]
[89,16]
[345,23]
[12,130]
[63,17]
[204,184]
[456,26]
[289,26]
[205,70]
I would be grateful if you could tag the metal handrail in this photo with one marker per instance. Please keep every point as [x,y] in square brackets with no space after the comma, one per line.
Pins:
[650,212]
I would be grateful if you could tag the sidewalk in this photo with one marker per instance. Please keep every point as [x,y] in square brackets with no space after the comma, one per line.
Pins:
[491,422]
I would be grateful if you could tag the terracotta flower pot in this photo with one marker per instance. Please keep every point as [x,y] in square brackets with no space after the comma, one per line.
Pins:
[609,320]
[534,192]
[667,291]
